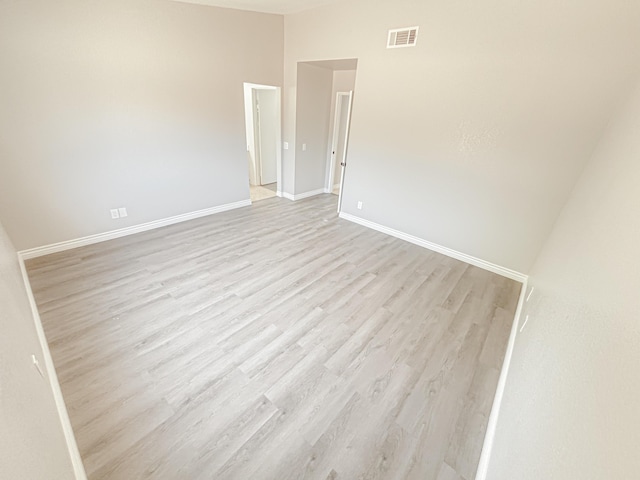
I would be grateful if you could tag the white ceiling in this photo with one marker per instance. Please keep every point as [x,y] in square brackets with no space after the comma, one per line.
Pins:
[268,6]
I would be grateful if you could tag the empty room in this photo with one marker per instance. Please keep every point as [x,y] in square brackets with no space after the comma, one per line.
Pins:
[319,239]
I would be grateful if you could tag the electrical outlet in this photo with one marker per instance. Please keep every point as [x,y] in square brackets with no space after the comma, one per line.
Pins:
[286,145]
[114,213]
[359,205]
[123,212]
[304,147]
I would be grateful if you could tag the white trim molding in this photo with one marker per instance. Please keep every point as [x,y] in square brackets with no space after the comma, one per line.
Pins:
[123,232]
[72,446]
[487,446]
[489,437]
[312,193]
[300,196]
[492,267]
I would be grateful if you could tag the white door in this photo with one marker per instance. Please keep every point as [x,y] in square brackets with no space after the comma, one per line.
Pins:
[342,114]
[340,143]
[267,135]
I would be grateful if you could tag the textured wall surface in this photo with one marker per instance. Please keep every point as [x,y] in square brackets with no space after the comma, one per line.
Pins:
[474,138]
[570,409]
[32,444]
[125,103]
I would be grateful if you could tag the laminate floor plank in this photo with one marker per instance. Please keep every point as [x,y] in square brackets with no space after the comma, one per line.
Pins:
[275,341]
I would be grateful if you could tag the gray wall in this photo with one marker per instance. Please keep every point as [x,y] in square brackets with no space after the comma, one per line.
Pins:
[570,409]
[312,126]
[32,444]
[474,138]
[125,103]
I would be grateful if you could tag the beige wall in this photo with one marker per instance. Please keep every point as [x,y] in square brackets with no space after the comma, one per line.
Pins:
[312,126]
[474,138]
[125,103]
[343,81]
[570,409]
[32,444]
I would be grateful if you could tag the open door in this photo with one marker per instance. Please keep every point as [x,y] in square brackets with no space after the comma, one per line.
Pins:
[341,140]
[267,136]
[264,140]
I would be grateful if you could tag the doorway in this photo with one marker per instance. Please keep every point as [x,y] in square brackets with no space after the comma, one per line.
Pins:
[339,143]
[263,135]
[322,102]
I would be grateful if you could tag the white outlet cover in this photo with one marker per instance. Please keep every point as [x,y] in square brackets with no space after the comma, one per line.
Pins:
[304,147]
[286,145]
[359,205]
[122,212]
[114,213]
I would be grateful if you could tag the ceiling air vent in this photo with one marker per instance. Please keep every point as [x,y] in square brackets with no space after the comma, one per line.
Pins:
[402,37]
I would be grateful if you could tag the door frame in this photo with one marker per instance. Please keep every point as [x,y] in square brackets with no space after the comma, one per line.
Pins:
[341,97]
[249,92]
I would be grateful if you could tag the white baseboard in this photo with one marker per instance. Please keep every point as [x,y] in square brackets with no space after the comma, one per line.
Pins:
[122,232]
[492,267]
[279,194]
[483,466]
[489,437]
[312,193]
[72,446]
[300,196]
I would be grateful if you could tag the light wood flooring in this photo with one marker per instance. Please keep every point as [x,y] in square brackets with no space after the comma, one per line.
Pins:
[274,342]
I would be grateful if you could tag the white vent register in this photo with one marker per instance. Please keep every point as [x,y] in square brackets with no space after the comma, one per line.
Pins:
[402,37]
